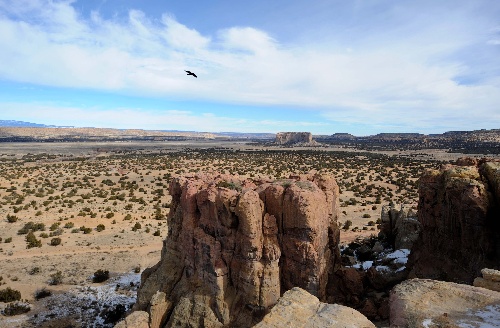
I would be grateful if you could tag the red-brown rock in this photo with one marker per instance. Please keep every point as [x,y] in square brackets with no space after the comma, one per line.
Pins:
[235,246]
[459,210]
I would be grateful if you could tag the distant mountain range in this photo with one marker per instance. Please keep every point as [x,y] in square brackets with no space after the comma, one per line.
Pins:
[21,124]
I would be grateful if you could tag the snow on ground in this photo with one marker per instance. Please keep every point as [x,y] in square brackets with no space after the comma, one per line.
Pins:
[93,306]
[386,261]
[489,317]
[399,256]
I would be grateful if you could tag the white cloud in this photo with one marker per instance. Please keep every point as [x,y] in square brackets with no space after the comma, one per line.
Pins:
[409,79]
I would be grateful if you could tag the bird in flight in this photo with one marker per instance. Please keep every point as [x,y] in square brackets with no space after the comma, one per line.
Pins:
[190,73]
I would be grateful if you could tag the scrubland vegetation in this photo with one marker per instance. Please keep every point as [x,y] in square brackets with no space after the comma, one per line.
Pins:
[76,219]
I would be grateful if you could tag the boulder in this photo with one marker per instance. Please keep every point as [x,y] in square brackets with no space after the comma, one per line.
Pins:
[235,245]
[431,303]
[490,280]
[297,308]
[137,319]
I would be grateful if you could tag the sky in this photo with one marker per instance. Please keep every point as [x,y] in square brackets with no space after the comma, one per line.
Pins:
[325,66]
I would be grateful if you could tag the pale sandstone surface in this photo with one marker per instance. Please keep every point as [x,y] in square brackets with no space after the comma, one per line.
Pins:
[298,308]
[234,245]
[490,279]
[138,319]
[431,303]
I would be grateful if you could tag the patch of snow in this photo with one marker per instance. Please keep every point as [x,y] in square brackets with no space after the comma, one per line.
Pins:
[426,323]
[93,306]
[365,265]
[400,256]
[489,317]
[401,269]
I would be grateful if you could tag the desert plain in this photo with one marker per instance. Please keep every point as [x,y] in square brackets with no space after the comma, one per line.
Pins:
[103,206]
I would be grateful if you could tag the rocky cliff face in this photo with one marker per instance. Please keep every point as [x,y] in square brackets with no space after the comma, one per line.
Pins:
[235,246]
[399,227]
[459,210]
[286,138]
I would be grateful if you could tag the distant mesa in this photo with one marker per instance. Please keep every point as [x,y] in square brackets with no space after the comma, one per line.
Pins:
[295,138]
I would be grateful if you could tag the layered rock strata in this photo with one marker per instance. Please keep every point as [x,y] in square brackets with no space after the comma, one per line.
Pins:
[431,303]
[287,138]
[459,210]
[297,308]
[234,246]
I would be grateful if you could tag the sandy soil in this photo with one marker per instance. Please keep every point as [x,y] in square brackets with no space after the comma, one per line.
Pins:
[59,184]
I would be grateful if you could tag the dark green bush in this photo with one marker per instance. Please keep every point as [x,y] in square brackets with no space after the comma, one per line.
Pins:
[55,241]
[9,295]
[100,276]
[31,240]
[16,308]
[42,293]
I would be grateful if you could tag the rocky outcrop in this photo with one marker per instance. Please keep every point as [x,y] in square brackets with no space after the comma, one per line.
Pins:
[138,319]
[288,138]
[431,303]
[459,210]
[490,280]
[297,308]
[399,227]
[234,246]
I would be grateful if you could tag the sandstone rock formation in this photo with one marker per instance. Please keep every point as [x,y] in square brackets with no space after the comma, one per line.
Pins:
[490,280]
[297,308]
[287,138]
[138,319]
[400,227]
[431,303]
[234,246]
[459,209]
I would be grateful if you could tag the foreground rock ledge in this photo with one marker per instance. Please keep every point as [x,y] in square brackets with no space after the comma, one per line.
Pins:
[298,308]
[235,245]
[431,303]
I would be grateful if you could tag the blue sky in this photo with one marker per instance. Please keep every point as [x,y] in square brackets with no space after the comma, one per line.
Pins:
[361,67]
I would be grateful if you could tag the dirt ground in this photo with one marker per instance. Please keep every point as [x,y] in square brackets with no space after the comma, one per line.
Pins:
[70,186]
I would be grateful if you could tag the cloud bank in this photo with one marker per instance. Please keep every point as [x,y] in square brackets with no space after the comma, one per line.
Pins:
[416,73]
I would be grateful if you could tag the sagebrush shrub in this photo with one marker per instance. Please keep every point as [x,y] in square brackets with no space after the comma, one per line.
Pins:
[100,276]
[9,295]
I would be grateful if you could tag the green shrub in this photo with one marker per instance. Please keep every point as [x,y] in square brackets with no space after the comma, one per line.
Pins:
[100,227]
[100,276]
[16,308]
[156,233]
[12,218]
[8,240]
[42,293]
[136,226]
[347,225]
[366,215]
[69,225]
[55,241]
[56,278]
[31,240]
[9,295]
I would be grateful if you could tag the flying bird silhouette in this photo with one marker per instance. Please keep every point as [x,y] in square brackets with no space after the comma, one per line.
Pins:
[190,73]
